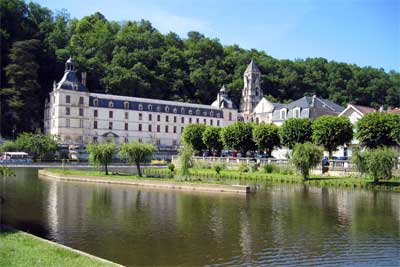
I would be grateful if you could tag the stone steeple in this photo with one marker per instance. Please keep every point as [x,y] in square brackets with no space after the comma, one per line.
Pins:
[251,93]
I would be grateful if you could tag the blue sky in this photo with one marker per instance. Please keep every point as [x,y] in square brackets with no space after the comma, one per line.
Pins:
[364,32]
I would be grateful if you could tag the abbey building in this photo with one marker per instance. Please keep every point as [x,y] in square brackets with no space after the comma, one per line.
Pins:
[77,116]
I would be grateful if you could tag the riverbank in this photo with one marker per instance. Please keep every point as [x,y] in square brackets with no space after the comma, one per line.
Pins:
[20,249]
[288,176]
[100,177]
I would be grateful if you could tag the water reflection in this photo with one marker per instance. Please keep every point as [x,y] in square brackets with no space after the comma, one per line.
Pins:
[281,225]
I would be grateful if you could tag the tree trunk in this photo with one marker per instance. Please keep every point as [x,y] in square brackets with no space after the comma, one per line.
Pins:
[138,169]
[106,168]
[330,154]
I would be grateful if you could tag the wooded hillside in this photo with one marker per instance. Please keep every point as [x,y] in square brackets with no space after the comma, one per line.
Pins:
[133,58]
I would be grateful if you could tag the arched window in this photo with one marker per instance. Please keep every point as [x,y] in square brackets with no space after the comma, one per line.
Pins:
[190,112]
[150,107]
[166,109]
[204,113]
[175,110]
[197,112]
[126,105]
[96,102]
[211,113]
[182,110]
[110,104]
[140,107]
[158,108]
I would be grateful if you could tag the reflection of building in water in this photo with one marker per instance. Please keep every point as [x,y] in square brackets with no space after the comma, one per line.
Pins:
[52,214]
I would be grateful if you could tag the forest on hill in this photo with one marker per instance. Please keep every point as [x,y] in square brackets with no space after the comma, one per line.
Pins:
[133,58]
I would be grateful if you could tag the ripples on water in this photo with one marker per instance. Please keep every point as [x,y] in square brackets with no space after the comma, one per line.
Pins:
[280,225]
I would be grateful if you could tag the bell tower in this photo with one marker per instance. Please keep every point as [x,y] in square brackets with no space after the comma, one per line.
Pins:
[251,93]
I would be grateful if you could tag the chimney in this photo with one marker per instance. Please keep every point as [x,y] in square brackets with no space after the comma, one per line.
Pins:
[84,78]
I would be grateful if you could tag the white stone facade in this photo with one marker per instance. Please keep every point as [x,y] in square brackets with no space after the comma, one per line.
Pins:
[76,116]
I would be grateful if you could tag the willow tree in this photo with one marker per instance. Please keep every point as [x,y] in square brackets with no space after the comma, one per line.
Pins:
[101,154]
[137,153]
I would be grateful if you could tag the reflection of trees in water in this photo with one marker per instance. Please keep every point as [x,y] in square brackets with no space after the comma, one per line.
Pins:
[100,207]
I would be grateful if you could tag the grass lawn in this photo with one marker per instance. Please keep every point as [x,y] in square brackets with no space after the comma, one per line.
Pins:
[210,176]
[21,249]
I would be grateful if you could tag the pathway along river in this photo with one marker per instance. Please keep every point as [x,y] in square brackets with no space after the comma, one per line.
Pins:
[280,225]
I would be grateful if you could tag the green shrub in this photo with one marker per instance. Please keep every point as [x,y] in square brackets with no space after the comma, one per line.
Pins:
[185,159]
[242,167]
[268,168]
[218,168]
[202,165]
[171,167]
[380,162]
[359,159]
[286,170]
[6,171]
[254,167]
[306,156]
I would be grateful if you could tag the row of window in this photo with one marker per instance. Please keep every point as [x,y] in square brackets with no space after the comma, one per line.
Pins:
[158,108]
[141,128]
[296,113]
[126,140]
[68,111]
[68,100]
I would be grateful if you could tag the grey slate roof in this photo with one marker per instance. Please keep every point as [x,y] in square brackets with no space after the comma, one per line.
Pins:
[70,82]
[252,67]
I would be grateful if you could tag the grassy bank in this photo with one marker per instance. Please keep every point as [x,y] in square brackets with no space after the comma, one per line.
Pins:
[289,177]
[18,249]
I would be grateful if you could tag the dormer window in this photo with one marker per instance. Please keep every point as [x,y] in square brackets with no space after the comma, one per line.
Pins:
[126,105]
[296,112]
[205,113]
[283,114]
[140,107]
[190,112]
[96,102]
[182,110]
[197,112]
[110,104]
[150,107]
[75,87]
[158,108]
[175,110]
[218,115]
[211,113]
[166,109]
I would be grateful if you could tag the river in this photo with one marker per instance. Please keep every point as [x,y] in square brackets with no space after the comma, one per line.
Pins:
[279,225]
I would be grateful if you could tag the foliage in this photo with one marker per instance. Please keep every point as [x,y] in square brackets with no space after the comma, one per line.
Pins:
[332,131]
[266,137]
[171,167]
[380,162]
[359,159]
[377,129]
[212,138]
[185,159]
[295,130]
[193,136]
[6,171]
[269,168]
[218,168]
[243,167]
[137,153]
[101,154]
[135,59]
[37,145]
[238,136]
[306,156]
[8,146]
[254,167]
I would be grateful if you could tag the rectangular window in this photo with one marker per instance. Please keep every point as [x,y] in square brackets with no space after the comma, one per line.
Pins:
[158,117]
[140,127]
[110,114]
[230,116]
[182,129]
[197,120]
[80,123]
[67,111]
[94,139]
[140,116]
[67,123]
[158,128]
[205,121]
[81,100]
[81,112]
[183,120]
[211,122]
[126,140]
[174,118]
[174,129]
[95,124]
[67,99]
[166,118]
[150,117]
[149,128]
[217,122]
[110,125]
[158,142]
[166,128]
[95,113]
[126,115]
[190,120]
[140,140]
[126,126]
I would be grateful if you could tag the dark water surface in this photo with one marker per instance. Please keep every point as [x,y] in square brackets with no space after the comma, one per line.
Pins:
[280,225]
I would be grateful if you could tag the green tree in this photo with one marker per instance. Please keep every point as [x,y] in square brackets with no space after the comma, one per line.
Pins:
[8,146]
[193,136]
[266,137]
[331,131]
[185,159]
[101,154]
[37,145]
[295,130]
[238,136]
[212,138]
[137,153]
[380,163]
[378,129]
[305,157]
